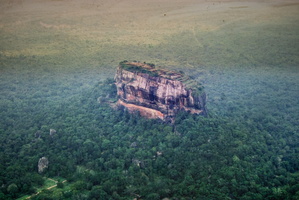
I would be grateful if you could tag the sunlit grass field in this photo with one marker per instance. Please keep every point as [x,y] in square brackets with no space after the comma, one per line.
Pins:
[61,56]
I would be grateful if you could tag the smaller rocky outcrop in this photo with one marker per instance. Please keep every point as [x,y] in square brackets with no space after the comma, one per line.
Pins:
[43,163]
[138,163]
[52,132]
[133,145]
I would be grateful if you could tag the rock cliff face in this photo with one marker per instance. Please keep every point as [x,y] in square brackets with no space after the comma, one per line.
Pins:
[157,93]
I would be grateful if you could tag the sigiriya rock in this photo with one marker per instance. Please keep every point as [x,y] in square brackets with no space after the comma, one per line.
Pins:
[157,93]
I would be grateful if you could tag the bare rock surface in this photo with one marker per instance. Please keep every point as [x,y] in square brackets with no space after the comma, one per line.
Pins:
[52,132]
[43,163]
[157,93]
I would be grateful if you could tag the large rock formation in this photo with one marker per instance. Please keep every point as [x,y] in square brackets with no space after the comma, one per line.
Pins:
[157,93]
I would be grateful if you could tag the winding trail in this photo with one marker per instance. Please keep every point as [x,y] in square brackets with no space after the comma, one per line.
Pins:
[48,188]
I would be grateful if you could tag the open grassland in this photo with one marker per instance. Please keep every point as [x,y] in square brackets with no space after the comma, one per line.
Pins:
[97,34]
[76,43]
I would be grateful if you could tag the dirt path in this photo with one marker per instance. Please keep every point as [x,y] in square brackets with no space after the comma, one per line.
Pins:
[49,188]
[52,180]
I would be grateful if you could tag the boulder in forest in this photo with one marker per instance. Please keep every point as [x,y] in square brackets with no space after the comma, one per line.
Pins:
[43,163]
[133,145]
[52,132]
[138,163]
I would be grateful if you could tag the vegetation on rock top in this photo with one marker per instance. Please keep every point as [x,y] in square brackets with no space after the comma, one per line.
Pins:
[150,69]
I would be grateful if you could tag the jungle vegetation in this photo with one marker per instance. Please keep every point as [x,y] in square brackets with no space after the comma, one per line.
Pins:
[242,150]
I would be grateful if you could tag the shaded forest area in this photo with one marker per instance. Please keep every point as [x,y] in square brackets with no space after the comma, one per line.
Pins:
[247,148]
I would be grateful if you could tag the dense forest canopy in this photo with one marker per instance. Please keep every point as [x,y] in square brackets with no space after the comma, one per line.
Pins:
[56,73]
[247,148]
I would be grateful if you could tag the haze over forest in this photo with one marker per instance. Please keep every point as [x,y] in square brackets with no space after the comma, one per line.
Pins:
[57,57]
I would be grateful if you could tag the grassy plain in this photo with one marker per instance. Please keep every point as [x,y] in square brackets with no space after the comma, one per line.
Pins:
[76,44]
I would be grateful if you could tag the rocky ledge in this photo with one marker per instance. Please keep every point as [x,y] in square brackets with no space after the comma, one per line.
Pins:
[157,93]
